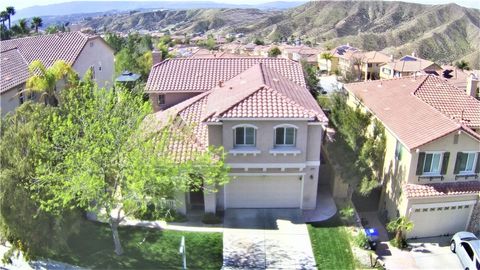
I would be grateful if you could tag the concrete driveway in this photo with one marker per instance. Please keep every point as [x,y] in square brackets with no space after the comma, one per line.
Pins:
[434,253]
[266,238]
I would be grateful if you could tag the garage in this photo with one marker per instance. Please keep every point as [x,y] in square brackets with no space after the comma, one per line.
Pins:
[440,219]
[264,192]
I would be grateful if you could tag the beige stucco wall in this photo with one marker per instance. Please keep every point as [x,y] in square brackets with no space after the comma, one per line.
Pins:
[310,135]
[9,100]
[98,54]
[444,144]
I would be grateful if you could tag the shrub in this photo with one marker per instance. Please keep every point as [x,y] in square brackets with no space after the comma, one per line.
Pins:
[211,218]
[347,213]
[360,240]
[154,213]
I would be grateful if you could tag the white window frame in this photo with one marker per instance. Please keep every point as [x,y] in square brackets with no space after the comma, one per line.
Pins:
[285,126]
[475,157]
[440,161]
[244,126]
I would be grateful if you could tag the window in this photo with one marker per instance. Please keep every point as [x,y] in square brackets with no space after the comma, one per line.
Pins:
[465,163]
[468,250]
[285,136]
[244,136]
[161,99]
[432,163]
[369,64]
[92,68]
[398,150]
[21,97]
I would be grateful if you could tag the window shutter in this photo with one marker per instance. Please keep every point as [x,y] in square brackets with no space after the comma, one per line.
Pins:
[421,160]
[477,166]
[446,156]
[456,170]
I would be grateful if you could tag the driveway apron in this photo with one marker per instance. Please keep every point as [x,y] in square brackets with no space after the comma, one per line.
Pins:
[266,239]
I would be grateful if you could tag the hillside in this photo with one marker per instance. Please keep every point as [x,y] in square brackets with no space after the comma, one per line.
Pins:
[443,33]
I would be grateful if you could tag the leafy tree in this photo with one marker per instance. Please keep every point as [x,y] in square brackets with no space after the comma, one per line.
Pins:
[398,226]
[4,17]
[21,28]
[4,32]
[36,23]
[44,80]
[258,41]
[103,158]
[328,58]
[274,52]
[52,29]
[357,64]
[310,74]
[211,44]
[22,222]
[115,41]
[10,11]
[463,65]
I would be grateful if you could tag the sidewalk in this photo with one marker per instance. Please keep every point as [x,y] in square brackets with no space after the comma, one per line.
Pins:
[392,257]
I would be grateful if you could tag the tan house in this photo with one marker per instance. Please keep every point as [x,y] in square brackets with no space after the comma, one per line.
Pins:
[407,66]
[80,50]
[432,163]
[340,59]
[261,112]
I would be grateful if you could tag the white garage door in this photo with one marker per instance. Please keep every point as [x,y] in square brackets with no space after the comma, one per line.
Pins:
[264,192]
[439,219]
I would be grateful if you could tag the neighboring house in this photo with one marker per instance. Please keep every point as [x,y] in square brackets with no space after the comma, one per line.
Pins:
[371,62]
[300,53]
[260,111]
[432,163]
[80,50]
[468,80]
[407,66]
[338,62]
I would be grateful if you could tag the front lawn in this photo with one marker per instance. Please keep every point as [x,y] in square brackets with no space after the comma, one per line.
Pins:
[331,246]
[144,248]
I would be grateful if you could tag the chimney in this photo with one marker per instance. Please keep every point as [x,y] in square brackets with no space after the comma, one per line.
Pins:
[156,57]
[472,85]
[220,83]
[413,54]
[391,58]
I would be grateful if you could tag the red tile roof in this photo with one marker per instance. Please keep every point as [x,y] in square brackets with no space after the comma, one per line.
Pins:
[450,100]
[413,121]
[258,92]
[46,48]
[13,69]
[442,189]
[201,75]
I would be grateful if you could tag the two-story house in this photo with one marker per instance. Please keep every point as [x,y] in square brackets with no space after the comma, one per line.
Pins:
[260,111]
[407,66]
[432,162]
[81,51]
[340,60]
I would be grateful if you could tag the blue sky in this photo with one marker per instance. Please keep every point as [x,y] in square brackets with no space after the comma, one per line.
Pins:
[19,4]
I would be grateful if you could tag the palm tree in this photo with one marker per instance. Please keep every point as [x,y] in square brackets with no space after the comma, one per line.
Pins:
[22,24]
[3,17]
[327,57]
[398,226]
[44,80]
[357,62]
[11,12]
[36,23]
[463,65]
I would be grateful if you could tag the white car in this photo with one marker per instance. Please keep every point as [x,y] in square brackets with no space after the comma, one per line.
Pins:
[467,247]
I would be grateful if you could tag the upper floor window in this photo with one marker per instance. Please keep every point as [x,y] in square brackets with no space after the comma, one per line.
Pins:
[161,99]
[369,65]
[432,163]
[244,135]
[398,150]
[285,135]
[466,163]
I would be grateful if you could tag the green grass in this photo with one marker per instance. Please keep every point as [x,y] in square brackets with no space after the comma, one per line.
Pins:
[331,245]
[144,248]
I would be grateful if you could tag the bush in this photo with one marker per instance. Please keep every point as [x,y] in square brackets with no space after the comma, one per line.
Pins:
[347,213]
[360,240]
[153,213]
[211,218]
[399,243]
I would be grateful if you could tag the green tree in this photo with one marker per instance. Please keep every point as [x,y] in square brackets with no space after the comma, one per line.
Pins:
[274,52]
[463,65]
[4,32]
[10,12]
[398,226]
[21,28]
[52,29]
[4,17]
[104,159]
[36,23]
[115,41]
[327,56]
[258,41]
[44,80]
[310,73]
[22,222]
